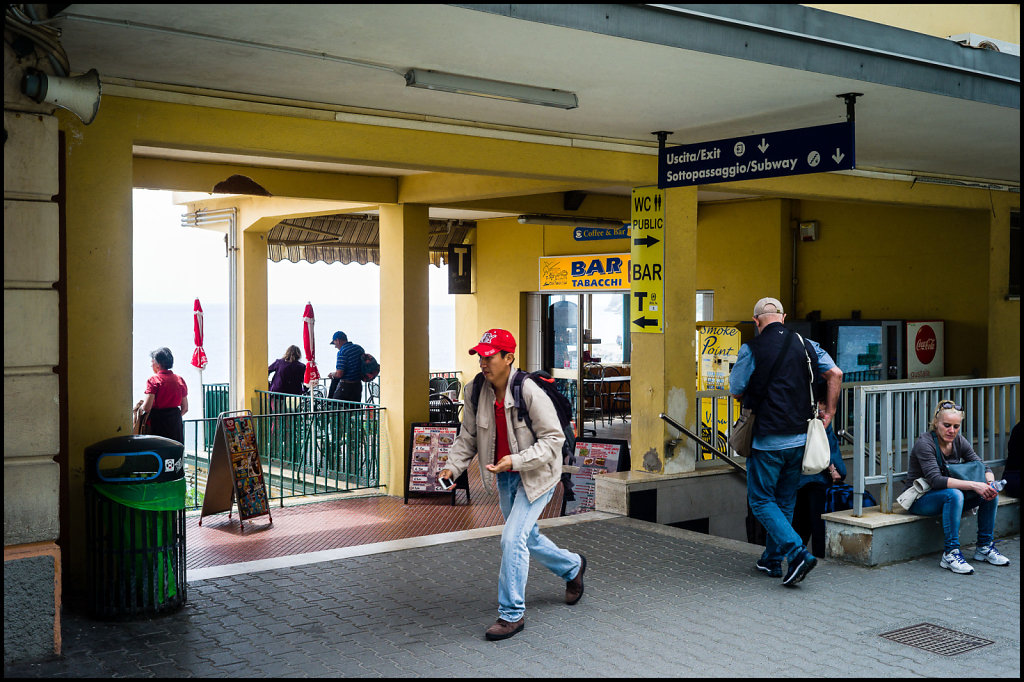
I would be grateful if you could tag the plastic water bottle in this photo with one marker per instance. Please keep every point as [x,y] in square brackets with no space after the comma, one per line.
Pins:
[998,485]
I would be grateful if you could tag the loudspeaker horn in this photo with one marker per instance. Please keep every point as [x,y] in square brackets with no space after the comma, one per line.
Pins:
[79,95]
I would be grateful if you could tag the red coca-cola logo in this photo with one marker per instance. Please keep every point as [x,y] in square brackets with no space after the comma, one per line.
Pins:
[925,344]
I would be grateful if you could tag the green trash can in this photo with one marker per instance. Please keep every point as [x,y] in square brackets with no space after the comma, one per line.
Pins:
[135,525]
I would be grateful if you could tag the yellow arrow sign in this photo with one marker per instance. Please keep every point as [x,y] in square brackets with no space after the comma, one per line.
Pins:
[647,261]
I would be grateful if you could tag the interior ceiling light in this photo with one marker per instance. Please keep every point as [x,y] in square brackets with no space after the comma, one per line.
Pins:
[570,221]
[482,87]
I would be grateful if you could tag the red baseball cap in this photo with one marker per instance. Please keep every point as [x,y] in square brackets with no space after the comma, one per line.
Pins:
[492,341]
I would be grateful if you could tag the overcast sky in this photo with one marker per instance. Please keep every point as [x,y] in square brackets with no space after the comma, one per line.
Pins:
[197,256]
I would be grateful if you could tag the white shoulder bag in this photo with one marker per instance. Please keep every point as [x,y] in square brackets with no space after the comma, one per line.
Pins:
[910,495]
[817,454]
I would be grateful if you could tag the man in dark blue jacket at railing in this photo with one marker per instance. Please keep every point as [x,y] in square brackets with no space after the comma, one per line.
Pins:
[347,378]
[771,376]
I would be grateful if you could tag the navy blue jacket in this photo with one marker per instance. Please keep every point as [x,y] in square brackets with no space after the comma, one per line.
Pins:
[782,405]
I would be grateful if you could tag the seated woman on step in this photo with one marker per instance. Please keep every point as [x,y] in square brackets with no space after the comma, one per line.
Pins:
[948,497]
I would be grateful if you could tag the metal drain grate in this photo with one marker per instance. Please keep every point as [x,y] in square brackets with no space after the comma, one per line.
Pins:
[936,639]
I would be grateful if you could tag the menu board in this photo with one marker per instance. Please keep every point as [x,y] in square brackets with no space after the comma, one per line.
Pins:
[236,474]
[593,456]
[429,446]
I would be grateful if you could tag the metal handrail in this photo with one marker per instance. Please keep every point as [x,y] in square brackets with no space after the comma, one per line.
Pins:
[889,418]
[721,455]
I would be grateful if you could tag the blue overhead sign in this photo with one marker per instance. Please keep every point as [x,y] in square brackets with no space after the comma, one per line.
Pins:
[789,152]
[583,234]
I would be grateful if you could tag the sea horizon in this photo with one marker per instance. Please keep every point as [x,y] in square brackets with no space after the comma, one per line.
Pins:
[158,324]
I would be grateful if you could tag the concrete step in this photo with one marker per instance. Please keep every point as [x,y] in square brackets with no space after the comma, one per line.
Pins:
[875,539]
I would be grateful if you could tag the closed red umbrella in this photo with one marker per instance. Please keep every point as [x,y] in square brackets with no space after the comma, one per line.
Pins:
[198,355]
[312,375]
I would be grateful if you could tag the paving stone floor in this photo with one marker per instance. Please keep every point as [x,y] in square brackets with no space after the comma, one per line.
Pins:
[659,602]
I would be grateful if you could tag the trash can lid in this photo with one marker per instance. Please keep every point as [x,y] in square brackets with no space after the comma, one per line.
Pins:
[134,443]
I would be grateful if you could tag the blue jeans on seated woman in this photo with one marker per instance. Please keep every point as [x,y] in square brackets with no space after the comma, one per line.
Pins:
[521,539]
[950,504]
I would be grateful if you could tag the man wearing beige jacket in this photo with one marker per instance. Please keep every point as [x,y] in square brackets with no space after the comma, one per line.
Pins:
[526,468]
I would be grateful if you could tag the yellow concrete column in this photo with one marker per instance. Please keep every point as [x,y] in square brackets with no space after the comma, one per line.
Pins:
[251,312]
[664,377]
[1003,314]
[98,280]
[404,318]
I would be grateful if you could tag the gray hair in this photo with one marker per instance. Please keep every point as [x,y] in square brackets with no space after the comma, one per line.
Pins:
[163,357]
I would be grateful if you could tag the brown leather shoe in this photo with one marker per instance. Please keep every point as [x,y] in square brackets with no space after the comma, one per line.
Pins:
[574,587]
[503,629]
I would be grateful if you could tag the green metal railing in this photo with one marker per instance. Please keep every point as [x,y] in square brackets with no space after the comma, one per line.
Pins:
[307,447]
[215,401]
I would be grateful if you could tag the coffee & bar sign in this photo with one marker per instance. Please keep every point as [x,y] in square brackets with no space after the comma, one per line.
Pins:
[595,273]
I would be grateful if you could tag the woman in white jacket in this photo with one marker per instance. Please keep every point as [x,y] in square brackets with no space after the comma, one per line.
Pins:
[526,469]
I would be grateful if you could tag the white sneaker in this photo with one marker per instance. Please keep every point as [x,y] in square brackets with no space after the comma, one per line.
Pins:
[990,554]
[954,561]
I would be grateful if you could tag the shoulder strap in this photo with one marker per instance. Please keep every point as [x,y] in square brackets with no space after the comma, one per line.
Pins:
[474,393]
[938,456]
[810,373]
[517,397]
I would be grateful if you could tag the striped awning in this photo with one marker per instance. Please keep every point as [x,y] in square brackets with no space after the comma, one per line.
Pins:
[351,238]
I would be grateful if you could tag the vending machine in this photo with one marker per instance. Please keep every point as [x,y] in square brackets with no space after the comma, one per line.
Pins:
[865,350]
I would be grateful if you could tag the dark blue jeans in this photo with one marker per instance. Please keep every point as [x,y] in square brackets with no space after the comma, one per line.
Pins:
[950,504]
[772,479]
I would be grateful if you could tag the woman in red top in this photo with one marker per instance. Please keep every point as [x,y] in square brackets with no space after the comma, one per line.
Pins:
[166,398]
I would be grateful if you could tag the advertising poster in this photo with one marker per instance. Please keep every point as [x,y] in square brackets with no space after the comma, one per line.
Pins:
[235,475]
[718,347]
[593,456]
[250,490]
[429,455]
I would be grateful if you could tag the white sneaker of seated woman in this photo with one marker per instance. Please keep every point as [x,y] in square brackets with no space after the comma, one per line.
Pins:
[990,554]
[954,561]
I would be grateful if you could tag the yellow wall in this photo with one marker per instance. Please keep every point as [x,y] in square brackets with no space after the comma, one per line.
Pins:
[506,265]
[741,254]
[993,21]
[889,262]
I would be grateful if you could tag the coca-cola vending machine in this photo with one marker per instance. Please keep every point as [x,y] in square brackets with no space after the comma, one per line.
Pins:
[865,350]
[926,352]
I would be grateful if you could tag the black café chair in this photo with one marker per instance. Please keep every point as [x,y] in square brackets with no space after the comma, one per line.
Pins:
[619,394]
[443,410]
[593,396]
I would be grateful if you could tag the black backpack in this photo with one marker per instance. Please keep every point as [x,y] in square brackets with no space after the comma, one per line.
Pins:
[562,407]
[370,368]
[839,496]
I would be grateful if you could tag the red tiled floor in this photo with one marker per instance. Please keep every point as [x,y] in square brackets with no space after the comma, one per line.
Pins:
[342,523]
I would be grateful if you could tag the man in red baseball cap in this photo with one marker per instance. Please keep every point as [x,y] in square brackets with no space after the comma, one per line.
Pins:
[527,467]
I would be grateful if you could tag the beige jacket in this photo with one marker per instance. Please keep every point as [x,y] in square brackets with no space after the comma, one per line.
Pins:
[539,462]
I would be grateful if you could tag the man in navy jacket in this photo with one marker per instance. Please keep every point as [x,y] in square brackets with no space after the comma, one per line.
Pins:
[773,375]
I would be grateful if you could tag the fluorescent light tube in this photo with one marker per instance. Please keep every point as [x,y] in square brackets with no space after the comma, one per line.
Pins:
[482,87]
[570,221]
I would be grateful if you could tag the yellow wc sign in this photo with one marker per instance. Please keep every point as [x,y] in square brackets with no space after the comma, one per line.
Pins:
[647,256]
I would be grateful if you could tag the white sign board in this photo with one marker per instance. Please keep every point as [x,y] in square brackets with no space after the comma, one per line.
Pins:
[926,350]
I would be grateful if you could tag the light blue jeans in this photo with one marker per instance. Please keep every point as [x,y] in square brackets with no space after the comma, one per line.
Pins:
[521,539]
[950,504]
[772,480]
